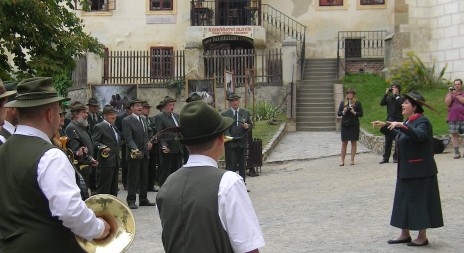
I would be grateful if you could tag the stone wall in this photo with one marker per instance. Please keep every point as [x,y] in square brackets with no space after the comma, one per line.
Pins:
[376,143]
[374,66]
[274,95]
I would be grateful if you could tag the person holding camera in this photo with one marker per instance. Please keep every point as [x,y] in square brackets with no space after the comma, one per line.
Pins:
[455,102]
[393,101]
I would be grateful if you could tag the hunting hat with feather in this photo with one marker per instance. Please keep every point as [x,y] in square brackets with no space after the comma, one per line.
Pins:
[419,100]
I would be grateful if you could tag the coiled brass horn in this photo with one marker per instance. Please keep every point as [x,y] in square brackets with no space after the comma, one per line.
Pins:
[105,151]
[228,138]
[135,154]
[121,220]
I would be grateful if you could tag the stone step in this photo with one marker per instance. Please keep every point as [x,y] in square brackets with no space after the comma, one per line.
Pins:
[315,99]
[315,129]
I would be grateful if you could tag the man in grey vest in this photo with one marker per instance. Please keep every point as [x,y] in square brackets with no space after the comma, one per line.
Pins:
[45,203]
[203,208]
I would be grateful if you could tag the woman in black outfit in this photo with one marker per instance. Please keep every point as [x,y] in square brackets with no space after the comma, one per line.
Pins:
[350,110]
[417,204]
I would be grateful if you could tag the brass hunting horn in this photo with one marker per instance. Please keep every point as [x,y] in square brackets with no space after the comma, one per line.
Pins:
[121,220]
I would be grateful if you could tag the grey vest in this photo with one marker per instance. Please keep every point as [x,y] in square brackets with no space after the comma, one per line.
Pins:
[188,208]
[26,224]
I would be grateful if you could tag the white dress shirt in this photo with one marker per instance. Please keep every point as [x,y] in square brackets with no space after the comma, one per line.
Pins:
[236,212]
[57,181]
[9,127]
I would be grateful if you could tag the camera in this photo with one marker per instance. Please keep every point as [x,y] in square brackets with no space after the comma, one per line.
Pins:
[390,89]
[451,88]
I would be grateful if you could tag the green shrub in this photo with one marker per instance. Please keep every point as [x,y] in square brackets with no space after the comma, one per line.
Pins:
[263,111]
[413,74]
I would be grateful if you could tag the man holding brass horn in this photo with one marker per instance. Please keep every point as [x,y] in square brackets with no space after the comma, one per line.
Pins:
[107,139]
[44,211]
[237,148]
[81,143]
[203,208]
[136,135]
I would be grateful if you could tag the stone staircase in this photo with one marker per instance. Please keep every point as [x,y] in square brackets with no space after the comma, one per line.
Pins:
[315,109]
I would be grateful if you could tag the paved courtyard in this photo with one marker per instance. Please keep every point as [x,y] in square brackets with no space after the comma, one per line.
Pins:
[305,202]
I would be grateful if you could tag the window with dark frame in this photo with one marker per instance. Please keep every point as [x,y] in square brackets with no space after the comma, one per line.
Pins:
[156,5]
[372,2]
[330,2]
[162,62]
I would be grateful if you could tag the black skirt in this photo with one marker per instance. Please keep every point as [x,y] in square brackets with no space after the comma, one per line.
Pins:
[350,133]
[417,204]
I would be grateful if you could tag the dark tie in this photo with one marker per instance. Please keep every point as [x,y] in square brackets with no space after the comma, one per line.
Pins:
[114,133]
[141,123]
[175,121]
[236,116]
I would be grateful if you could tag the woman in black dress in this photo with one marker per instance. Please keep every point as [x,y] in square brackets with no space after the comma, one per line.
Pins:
[350,110]
[417,204]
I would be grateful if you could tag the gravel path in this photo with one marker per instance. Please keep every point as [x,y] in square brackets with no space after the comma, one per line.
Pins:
[305,202]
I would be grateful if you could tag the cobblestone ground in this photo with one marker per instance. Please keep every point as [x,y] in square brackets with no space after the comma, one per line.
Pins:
[306,203]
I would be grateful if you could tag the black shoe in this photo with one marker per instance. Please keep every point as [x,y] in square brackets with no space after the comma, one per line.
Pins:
[395,161]
[426,242]
[152,189]
[406,240]
[132,205]
[383,161]
[146,203]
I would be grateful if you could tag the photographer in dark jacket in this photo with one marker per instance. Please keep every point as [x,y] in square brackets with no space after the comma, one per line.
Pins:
[393,101]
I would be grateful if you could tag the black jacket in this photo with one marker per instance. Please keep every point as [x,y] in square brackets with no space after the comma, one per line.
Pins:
[350,119]
[394,110]
[415,148]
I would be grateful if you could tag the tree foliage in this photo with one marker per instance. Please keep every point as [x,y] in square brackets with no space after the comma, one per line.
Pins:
[43,37]
[414,74]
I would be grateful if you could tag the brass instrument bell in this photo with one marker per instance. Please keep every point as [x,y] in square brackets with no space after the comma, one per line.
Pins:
[135,154]
[105,153]
[228,138]
[119,217]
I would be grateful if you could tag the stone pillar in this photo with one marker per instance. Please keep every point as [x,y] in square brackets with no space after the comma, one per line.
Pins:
[194,67]
[399,40]
[289,70]
[338,98]
[94,69]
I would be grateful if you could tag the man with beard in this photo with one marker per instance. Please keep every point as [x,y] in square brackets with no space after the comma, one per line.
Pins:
[80,142]
[136,135]
[107,139]
[171,150]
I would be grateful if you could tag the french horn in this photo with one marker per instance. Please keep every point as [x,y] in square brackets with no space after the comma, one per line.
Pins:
[119,217]
[228,138]
[135,154]
[104,153]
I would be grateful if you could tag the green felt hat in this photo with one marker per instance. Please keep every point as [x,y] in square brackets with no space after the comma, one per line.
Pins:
[4,91]
[77,106]
[233,96]
[200,123]
[34,92]
[193,97]
[108,109]
[135,101]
